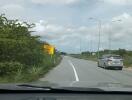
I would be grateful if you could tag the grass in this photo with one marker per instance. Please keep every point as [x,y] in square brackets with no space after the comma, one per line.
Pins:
[127,59]
[32,73]
[86,57]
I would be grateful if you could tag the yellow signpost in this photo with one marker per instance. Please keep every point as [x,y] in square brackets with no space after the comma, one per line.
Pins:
[49,49]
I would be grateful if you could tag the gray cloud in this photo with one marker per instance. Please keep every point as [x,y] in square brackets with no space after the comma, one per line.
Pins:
[69,27]
[119,2]
[65,36]
[13,9]
[54,2]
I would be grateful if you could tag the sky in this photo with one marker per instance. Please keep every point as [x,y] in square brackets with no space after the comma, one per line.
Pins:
[66,24]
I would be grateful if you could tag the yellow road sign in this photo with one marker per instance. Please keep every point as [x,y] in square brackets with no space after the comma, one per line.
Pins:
[49,49]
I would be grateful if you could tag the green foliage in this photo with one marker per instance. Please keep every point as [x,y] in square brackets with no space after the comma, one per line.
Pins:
[10,68]
[121,52]
[128,61]
[85,56]
[34,72]
[16,43]
[21,55]
[127,55]
[86,53]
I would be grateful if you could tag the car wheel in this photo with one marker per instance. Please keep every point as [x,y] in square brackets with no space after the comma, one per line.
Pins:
[120,68]
[104,66]
[98,64]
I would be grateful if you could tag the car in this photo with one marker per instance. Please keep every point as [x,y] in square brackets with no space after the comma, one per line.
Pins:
[111,61]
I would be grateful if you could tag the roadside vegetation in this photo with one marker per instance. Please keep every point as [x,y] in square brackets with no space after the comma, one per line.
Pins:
[85,56]
[22,58]
[125,54]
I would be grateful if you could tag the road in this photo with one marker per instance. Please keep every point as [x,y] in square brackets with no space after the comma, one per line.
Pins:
[78,72]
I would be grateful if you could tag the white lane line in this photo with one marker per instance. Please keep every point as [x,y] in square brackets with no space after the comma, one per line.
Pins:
[75,72]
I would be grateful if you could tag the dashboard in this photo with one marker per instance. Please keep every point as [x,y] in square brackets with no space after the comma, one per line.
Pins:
[63,96]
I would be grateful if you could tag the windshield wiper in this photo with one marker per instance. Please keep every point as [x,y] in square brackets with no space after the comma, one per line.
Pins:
[32,88]
[59,89]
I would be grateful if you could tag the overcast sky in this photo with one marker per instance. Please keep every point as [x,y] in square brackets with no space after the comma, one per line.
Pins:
[66,23]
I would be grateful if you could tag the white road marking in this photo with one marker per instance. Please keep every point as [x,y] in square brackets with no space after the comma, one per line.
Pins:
[75,72]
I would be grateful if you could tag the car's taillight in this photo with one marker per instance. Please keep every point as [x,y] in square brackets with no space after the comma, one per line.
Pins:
[109,61]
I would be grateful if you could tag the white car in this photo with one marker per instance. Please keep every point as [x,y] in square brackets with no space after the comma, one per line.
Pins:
[111,61]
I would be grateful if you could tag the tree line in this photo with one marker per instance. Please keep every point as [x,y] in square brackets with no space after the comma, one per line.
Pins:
[19,50]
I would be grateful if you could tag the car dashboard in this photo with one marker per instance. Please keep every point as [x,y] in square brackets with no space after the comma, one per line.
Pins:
[65,96]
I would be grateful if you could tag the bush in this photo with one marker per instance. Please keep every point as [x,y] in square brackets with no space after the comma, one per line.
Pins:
[128,61]
[22,57]
[10,68]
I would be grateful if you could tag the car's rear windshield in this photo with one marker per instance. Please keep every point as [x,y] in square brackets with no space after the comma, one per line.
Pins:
[116,57]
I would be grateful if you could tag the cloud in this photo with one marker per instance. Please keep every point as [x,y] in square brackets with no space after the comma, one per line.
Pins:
[123,17]
[43,28]
[65,36]
[12,7]
[13,10]
[69,37]
[56,2]
[120,31]
[8,2]
[66,26]
[119,2]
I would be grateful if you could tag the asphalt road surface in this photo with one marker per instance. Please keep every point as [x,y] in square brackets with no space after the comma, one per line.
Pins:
[78,72]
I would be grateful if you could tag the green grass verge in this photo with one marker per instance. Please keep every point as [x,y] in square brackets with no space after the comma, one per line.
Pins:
[127,59]
[86,57]
[32,73]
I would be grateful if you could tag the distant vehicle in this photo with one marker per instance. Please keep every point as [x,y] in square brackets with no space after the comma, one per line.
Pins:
[111,61]
[63,53]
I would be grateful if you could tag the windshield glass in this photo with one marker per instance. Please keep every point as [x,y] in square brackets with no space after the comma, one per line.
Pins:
[116,57]
[59,42]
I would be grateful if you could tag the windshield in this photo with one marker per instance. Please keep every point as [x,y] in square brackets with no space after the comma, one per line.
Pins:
[116,57]
[62,42]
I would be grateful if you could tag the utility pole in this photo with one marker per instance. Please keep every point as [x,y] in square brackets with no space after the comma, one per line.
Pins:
[99,33]
[99,22]
[80,46]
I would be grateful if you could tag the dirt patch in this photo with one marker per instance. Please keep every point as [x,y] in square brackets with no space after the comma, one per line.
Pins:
[128,68]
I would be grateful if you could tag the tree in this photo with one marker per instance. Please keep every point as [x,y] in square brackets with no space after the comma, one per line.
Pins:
[122,52]
[17,44]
